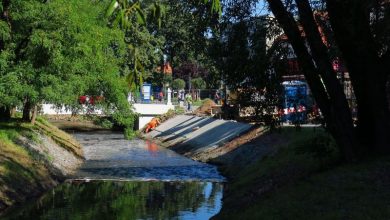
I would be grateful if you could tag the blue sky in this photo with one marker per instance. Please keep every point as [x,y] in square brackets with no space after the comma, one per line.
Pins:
[261,8]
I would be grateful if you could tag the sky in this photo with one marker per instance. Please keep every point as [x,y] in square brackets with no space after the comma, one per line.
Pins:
[261,8]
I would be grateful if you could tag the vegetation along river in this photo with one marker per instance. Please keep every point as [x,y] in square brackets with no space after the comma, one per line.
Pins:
[135,179]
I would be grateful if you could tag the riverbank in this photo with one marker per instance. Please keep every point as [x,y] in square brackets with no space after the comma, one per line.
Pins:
[284,174]
[34,159]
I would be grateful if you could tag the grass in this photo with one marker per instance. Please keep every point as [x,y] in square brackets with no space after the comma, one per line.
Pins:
[22,171]
[18,169]
[305,180]
[60,137]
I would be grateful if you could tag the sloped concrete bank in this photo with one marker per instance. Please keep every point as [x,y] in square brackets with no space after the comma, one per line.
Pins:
[33,160]
[228,144]
[199,138]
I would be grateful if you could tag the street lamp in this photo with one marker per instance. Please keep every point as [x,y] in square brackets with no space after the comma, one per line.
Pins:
[224,75]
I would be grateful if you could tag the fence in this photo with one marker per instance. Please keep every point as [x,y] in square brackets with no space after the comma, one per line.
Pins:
[156,98]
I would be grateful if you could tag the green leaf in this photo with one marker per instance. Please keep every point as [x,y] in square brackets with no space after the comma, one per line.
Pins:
[140,16]
[122,18]
[117,19]
[111,8]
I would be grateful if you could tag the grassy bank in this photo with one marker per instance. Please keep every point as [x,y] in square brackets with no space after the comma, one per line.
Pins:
[26,162]
[305,179]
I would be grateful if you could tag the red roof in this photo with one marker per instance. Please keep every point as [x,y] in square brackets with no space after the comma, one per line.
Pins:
[167,69]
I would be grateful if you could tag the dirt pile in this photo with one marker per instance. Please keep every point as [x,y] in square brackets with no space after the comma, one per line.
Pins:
[205,108]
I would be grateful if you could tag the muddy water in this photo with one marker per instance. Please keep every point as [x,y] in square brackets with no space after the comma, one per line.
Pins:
[130,180]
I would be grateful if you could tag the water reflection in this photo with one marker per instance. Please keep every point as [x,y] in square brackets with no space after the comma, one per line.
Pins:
[126,200]
[110,156]
[152,148]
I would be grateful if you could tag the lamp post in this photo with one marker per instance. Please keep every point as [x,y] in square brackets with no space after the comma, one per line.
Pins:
[224,81]
[169,96]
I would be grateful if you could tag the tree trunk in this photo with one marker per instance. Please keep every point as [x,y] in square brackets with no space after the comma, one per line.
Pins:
[388,92]
[26,111]
[13,111]
[342,132]
[350,21]
[340,114]
[34,114]
[5,112]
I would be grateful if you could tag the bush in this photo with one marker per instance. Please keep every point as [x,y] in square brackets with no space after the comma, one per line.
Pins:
[320,146]
[103,122]
[130,133]
[125,120]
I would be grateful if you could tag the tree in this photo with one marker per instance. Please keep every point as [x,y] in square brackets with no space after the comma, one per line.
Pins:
[241,55]
[160,79]
[198,84]
[8,96]
[144,48]
[143,55]
[179,29]
[244,64]
[178,84]
[361,38]
[354,36]
[59,51]
[186,28]
[368,53]
[190,70]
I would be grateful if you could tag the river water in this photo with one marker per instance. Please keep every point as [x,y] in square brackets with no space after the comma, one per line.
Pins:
[135,179]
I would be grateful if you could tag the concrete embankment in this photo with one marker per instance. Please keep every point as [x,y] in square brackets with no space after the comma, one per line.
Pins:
[34,159]
[197,137]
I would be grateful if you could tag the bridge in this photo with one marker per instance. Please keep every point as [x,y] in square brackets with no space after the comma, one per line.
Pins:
[146,111]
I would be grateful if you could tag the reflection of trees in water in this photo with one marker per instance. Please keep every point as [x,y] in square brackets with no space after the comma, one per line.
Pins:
[216,188]
[121,200]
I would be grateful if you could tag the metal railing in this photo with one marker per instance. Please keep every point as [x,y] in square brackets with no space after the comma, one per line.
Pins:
[177,96]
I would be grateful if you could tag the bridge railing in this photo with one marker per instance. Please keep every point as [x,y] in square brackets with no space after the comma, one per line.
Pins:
[176,96]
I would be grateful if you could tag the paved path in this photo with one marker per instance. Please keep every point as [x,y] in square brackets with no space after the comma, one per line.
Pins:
[190,135]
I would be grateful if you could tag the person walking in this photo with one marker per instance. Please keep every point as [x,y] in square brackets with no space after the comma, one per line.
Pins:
[160,96]
[188,98]
[216,97]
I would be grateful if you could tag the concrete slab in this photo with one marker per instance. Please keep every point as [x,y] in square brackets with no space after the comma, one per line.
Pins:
[188,134]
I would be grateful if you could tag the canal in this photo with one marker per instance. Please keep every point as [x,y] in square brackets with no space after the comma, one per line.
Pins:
[135,179]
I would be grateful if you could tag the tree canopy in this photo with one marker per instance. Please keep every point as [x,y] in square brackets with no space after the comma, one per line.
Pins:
[57,51]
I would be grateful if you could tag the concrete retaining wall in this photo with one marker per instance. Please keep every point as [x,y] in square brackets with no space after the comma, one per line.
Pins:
[148,111]
[191,135]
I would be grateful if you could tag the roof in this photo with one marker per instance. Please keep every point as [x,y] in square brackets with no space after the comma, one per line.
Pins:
[166,68]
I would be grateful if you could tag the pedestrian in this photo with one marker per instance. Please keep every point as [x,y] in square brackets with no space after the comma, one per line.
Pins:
[160,96]
[180,98]
[188,98]
[216,97]
[182,95]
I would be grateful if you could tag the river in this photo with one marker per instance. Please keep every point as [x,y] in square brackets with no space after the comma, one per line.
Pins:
[135,179]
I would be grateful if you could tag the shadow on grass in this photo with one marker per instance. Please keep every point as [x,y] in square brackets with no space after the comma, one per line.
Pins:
[307,152]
